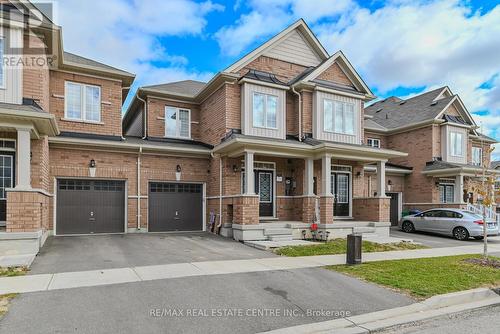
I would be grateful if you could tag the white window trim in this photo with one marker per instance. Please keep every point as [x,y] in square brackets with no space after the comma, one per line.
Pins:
[12,181]
[2,82]
[444,184]
[177,123]
[452,144]
[373,140]
[265,111]
[343,117]
[82,103]
[480,162]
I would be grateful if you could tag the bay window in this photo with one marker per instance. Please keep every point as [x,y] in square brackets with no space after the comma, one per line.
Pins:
[264,110]
[477,156]
[338,117]
[82,102]
[456,144]
[177,122]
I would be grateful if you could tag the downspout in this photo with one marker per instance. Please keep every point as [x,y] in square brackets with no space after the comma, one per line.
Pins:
[139,189]
[220,191]
[145,116]
[300,111]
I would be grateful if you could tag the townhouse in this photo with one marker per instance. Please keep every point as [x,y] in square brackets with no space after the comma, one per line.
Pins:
[276,142]
[446,152]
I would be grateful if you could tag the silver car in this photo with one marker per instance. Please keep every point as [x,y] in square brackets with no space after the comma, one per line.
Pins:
[461,224]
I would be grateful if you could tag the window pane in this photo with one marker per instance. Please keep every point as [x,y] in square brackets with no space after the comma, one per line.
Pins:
[339,118]
[184,123]
[449,194]
[92,103]
[272,107]
[328,116]
[459,149]
[349,119]
[258,110]
[73,101]
[171,122]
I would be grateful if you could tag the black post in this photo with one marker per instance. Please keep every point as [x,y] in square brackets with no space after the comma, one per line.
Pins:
[354,243]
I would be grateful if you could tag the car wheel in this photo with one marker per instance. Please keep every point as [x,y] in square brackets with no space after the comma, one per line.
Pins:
[479,238]
[408,227]
[461,233]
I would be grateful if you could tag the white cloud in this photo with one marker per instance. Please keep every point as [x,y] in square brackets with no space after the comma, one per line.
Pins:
[125,34]
[270,16]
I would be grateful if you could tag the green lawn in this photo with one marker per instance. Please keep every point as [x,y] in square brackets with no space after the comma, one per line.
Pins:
[338,246]
[13,271]
[423,278]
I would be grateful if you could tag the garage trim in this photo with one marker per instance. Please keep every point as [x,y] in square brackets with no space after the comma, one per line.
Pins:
[54,222]
[203,203]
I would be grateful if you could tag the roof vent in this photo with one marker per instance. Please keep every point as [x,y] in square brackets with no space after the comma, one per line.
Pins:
[434,103]
[402,102]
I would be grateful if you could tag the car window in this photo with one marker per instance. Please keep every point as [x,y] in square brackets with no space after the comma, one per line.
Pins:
[433,213]
[450,214]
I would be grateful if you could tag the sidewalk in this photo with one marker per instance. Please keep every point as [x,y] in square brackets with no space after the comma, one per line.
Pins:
[32,283]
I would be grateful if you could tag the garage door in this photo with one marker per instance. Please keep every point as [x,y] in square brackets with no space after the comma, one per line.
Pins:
[175,207]
[90,206]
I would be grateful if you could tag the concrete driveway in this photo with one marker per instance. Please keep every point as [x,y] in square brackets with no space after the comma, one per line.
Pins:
[66,254]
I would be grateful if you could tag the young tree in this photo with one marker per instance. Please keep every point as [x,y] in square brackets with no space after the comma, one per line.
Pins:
[486,190]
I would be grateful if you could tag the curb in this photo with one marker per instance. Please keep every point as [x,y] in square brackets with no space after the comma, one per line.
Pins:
[430,308]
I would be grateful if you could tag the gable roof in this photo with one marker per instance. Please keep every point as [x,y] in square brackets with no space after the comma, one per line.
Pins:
[305,33]
[344,64]
[71,58]
[188,88]
[393,112]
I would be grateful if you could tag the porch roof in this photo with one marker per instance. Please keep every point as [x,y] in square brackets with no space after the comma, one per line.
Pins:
[442,168]
[391,169]
[238,144]
[28,116]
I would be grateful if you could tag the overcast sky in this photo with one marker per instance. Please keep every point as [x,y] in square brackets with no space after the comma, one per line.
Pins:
[399,47]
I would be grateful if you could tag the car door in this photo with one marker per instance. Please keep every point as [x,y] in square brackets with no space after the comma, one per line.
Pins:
[449,221]
[428,221]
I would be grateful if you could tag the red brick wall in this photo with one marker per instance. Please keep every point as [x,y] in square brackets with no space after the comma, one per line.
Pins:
[335,74]
[36,79]
[111,106]
[213,117]
[371,209]
[283,70]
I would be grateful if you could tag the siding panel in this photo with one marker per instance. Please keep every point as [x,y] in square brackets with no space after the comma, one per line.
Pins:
[294,49]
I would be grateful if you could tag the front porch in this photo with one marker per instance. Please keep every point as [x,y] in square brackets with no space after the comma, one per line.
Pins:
[277,193]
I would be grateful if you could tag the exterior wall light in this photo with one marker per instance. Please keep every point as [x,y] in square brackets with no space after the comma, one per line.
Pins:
[178,171]
[235,168]
[92,168]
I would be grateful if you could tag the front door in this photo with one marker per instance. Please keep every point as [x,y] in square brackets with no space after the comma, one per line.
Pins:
[394,208]
[6,182]
[341,194]
[264,187]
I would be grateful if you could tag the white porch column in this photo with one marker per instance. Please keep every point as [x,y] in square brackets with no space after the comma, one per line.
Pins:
[249,174]
[381,179]
[326,175]
[459,189]
[23,159]
[309,177]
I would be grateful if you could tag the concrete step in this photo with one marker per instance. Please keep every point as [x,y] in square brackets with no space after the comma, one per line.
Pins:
[281,237]
[277,231]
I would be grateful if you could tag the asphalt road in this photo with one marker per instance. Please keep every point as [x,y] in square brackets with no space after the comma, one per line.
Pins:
[481,321]
[163,306]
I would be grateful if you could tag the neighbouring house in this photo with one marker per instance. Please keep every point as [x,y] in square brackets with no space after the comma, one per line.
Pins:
[496,165]
[446,153]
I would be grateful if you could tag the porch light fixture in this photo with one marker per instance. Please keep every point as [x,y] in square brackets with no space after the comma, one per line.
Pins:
[92,168]
[178,170]
[235,168]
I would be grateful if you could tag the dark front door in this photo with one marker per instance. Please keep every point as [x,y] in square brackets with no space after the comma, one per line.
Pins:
[341,194]
[90,206]
[264,187]
[6,181]
[175,207]
[394,208]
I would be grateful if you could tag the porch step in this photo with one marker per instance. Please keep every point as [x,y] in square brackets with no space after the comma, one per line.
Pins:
[280,237]
[277,231]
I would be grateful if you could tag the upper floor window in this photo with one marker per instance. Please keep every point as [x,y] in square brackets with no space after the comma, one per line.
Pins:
[373,142]
[83,102]
[2,67]
[477,156]
[265,109]
[338,117]
[177,122]
[456,144]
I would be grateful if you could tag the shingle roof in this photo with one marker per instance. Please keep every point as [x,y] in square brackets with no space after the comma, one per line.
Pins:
[437,165]
[76,59]
[495,164]
[185,87]
[393,112]
[373,125]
